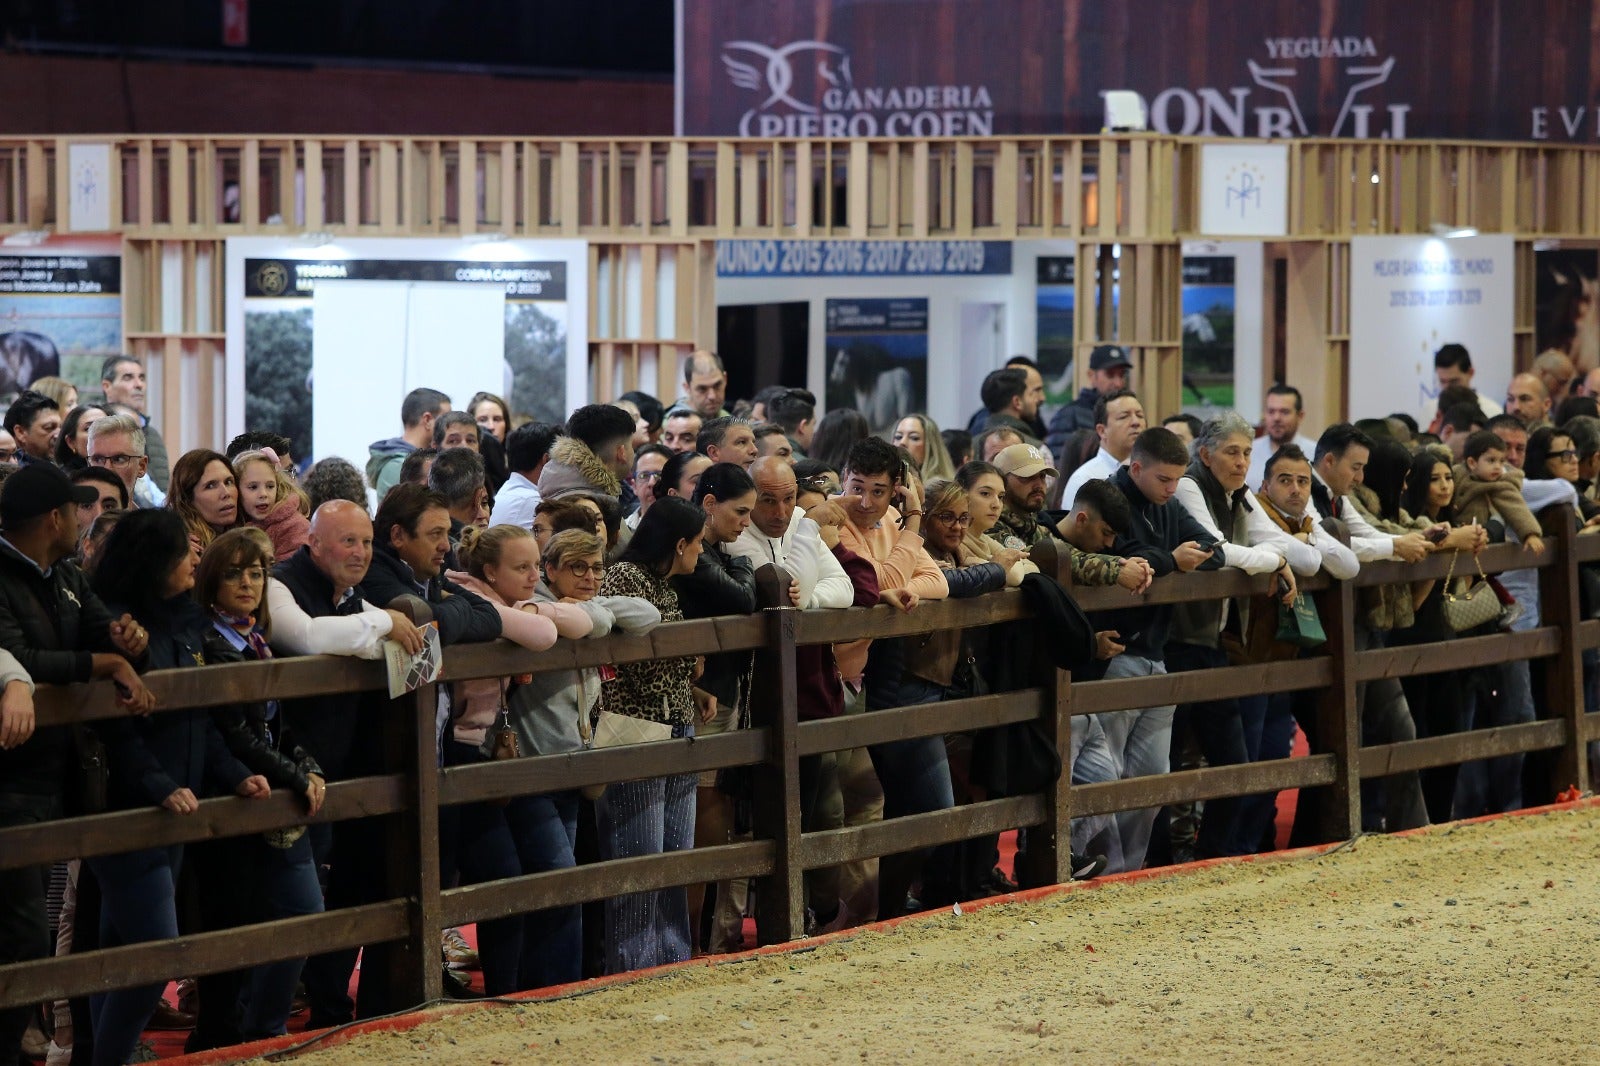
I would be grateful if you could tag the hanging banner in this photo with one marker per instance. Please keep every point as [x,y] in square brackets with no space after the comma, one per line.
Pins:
[89,184]
[60,311]
[401,332]
[1055,296]
[878,358]
[1214,68]
[1244,190]
[880,259]
[1411,295]
[1208,330]
[1567,318]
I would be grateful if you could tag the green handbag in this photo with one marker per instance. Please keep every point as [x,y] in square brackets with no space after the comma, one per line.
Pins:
[1300,624]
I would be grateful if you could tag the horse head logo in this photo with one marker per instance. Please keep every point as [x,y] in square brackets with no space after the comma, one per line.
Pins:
[830,63]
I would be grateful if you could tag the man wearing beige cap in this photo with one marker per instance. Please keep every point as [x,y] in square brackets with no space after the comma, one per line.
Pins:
[1024,522]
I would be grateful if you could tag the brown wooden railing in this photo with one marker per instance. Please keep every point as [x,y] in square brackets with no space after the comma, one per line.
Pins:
[404,801]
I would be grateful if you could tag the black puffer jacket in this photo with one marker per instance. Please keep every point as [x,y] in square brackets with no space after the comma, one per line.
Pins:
[721,584]
[248,732]
[463,617]
[153,756]
[53,625]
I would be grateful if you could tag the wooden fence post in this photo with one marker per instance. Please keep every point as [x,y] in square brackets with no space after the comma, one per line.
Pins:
[1049,853]
[775,811]
[412,969]
[1338,715]
[1563,675]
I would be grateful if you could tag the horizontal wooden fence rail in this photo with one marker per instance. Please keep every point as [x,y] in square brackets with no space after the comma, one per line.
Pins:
[1125,187]
[405,798]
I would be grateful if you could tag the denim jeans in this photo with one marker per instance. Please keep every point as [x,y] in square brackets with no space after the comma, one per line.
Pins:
[475,841]
[1493,786]
[1140,743]
[915,774]
[1386,719]
[1269,726]
[24,928]
[242,880]
[327,976]
[647,817]
[1092,764]
[136,906]
[545,829]
[289,886]
[1220,731]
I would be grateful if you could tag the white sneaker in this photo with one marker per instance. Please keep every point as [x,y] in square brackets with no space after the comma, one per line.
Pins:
[56,1055]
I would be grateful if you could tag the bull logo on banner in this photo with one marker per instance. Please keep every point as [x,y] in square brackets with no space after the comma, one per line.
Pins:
[791,76]
[832,65]
[1210,111]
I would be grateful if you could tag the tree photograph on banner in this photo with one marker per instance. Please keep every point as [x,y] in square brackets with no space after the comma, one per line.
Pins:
[405,318]
[1208,328]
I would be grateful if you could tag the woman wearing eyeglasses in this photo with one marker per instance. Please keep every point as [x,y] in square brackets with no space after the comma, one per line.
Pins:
[550,715]
[147,570]
[1553,455]
[263,876]
[503,567]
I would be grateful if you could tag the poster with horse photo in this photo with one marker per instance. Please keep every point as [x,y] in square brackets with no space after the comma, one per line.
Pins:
[878,358]
[1567,317]
[60,313]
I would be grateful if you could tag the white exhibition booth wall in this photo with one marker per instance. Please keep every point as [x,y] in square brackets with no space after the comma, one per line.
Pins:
[325,339]
[1411,295]
[972,320]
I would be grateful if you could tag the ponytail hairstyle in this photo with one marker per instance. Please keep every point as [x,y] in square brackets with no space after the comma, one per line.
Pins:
[481,548]
[285,488]
[672,473]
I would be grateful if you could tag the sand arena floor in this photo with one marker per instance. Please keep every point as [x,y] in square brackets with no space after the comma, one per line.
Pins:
[1466,944]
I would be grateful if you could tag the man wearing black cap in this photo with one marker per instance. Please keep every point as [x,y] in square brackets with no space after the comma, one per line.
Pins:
[61,634]
[1108,372]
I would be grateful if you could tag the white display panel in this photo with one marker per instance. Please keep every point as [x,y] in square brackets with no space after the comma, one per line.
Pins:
[375,341]
[1411,295]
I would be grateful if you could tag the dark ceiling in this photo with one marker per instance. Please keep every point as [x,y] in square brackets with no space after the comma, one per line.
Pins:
[614,37]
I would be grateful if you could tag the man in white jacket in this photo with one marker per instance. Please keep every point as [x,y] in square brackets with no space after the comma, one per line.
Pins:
[829,575]
[780,533]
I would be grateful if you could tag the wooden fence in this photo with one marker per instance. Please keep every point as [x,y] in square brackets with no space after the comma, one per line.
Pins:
[405,799]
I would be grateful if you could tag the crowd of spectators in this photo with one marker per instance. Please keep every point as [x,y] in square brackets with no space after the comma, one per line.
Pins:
[115,561]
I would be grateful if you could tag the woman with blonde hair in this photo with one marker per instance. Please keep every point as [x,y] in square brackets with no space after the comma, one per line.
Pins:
[551,715]
[919,435]
[271,502]
[503,567]
[62,391]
